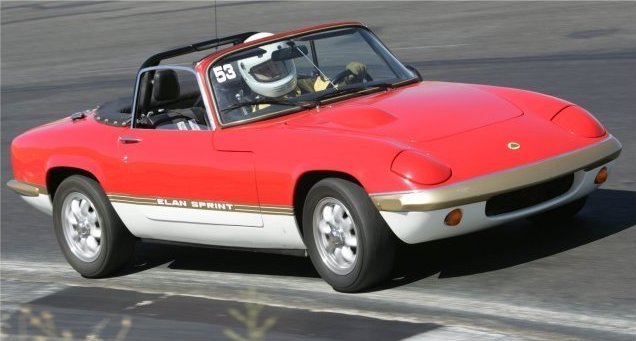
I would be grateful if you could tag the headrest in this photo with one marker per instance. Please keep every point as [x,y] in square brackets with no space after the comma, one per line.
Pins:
[165,85]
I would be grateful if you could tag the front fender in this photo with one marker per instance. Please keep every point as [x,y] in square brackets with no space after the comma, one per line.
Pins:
[366,159]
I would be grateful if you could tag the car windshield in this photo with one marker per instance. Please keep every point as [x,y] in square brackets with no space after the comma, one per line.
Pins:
[300,72]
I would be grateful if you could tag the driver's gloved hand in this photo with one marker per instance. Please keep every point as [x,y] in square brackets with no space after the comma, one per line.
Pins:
[358,72]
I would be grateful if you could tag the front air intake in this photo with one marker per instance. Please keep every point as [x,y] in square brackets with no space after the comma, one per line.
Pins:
[528,196]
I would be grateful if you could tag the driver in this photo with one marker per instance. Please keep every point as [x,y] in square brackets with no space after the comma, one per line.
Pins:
[265,76]
[279,79]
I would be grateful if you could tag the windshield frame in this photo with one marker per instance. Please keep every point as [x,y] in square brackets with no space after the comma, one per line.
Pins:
[385,54]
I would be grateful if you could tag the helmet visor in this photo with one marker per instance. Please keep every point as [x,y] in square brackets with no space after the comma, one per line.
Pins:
[270,71]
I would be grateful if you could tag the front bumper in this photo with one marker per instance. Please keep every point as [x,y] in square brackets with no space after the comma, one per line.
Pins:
[418,216]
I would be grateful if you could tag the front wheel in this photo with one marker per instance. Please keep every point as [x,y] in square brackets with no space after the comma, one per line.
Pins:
[348,241]
[93,239]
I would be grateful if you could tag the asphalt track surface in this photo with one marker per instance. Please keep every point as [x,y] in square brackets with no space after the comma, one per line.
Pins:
[519,280]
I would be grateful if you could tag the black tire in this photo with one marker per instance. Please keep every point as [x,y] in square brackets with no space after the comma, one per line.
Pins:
[116,243]
[375,250]
[560,214]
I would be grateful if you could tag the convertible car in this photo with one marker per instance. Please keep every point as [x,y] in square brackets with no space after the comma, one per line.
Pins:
[315,142]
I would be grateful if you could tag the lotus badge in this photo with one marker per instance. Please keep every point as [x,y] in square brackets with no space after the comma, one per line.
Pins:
[513,145]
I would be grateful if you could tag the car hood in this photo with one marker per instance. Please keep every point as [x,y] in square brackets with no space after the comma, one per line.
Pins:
[419,113]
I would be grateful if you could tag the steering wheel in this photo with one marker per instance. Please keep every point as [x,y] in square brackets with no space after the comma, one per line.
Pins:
[340,77]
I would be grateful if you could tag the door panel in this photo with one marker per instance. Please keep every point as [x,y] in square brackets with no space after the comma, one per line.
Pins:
[176,176]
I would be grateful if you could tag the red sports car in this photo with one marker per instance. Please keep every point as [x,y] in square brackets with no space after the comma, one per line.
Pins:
[316,141]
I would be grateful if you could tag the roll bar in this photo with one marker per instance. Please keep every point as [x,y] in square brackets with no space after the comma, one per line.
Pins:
[196,47]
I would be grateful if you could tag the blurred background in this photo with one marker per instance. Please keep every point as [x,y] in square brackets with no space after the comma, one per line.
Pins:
[577,280]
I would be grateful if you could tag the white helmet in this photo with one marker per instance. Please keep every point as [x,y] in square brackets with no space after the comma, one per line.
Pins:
[267,77]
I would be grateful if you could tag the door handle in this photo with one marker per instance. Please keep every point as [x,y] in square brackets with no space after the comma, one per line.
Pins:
[129,139]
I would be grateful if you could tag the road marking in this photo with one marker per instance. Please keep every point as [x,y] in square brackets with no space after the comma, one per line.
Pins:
[228,286]
[139,304]
[16,293]
[459,334]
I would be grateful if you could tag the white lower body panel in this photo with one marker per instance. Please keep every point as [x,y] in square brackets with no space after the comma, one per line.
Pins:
[418,227]
[42,203]
[189,225]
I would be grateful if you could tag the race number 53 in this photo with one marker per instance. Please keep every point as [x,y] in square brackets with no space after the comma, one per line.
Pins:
[224,73]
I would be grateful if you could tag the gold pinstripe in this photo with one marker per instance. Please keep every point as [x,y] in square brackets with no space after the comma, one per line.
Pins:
[209,205]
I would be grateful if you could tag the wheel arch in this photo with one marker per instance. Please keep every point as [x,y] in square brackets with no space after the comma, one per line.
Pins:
[55,176]
[61,166]
[305,182]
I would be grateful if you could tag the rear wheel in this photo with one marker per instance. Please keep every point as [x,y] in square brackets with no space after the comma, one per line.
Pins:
[559,214]
[93,239]
[348,241]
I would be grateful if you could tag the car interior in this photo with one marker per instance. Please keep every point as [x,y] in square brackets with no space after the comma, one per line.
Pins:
[168,100]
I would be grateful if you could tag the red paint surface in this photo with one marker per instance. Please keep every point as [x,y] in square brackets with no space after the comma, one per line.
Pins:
[420,168]
[466,127]
[578,122]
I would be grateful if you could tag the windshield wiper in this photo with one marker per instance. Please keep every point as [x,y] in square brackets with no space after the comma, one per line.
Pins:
[306,104]
[338,92]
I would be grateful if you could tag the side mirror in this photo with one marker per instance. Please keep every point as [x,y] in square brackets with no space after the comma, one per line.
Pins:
[415,71]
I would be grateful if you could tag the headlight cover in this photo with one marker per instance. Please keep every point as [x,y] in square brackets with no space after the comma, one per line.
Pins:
[420,168]
[579,122]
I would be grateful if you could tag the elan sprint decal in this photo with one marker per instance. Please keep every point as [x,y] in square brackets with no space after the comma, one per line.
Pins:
[201,204]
